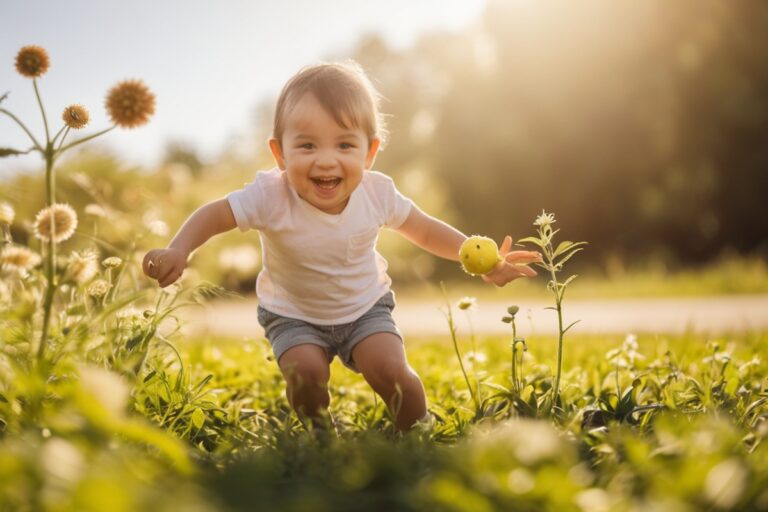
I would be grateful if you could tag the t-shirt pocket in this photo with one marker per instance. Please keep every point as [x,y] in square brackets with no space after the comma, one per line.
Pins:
[360,244]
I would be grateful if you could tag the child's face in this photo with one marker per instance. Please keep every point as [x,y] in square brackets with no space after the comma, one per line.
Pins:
[324,161]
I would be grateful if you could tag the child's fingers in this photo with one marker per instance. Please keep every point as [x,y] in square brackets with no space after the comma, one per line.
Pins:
[523,257]
[506,245]
[148,265]
[167,272]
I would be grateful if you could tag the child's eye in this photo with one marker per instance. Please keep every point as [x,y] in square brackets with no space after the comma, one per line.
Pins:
[307,145]
[346,145]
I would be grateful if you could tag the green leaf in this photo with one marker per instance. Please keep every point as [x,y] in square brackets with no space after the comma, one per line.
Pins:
[531,240]
[198,418]
[568,256]
[572,324]
[562,247]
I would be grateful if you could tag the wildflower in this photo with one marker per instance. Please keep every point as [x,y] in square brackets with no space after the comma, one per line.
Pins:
[130,103]
[98,288]
[112,262]
[545,219]
[32,61]
[75,116]
[82,266]
[19,258]
[467,303]
[57,222]
[6,213]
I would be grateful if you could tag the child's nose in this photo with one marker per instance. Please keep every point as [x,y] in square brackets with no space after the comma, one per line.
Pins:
[326,159]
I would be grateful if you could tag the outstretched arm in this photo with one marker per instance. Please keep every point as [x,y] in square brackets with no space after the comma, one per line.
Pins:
[167,265]
[441,239]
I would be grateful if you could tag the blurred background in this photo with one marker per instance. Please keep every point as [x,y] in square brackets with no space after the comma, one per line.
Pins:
[643,125]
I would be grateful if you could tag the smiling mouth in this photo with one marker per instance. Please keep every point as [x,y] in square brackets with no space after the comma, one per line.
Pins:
[326,183]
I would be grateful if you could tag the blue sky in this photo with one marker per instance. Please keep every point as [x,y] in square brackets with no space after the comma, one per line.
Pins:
[209,63]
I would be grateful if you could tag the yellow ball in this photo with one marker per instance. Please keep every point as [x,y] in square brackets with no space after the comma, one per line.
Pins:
[478,255]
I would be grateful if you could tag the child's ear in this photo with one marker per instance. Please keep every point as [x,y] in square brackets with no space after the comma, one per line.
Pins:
[277,152]
[373,149]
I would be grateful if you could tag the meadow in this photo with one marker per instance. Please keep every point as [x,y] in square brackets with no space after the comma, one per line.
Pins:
[106,405]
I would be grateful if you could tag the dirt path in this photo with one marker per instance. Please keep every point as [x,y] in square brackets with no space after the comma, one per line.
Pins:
[620,316]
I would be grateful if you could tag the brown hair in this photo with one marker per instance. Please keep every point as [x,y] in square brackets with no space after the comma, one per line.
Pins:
[343,90]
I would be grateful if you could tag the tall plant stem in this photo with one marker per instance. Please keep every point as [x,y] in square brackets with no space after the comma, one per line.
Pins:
[452,328]
[50,270]
[559,308]
[85,139]
[42,111]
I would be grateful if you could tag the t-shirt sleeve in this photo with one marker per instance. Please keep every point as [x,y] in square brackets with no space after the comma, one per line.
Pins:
[397,206]
[247,206]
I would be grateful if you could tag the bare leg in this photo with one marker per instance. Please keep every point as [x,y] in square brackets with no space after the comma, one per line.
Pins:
[307,372]
[381,359]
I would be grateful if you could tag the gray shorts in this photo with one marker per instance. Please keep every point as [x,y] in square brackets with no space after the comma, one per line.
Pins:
[284,333]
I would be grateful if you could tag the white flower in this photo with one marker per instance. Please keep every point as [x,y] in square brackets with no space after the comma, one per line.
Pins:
[57,222]
[467,303]
[18,258]
[545,219]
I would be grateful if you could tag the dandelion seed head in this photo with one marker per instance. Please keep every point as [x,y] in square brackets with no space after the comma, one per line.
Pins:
[56,222]
[112,262]
[98,288]
[130,104]
[32,61]
[18,258]
[75,116]
[82,266]
[7,214]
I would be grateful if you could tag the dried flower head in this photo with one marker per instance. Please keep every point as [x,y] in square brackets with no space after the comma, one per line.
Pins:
[75,116]
[18,258]
[82,266]
[130,103]
[98,288]
[6,213]
[32,61]
[112,262]
[545,219]
[56,222]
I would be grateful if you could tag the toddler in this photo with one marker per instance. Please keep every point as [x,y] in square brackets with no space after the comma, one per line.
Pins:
[324,290]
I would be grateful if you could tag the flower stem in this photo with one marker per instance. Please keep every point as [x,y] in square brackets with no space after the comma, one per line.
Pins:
[85,139]
[452,328]
[23,127]
[42,110]
[50,257]
[559,308]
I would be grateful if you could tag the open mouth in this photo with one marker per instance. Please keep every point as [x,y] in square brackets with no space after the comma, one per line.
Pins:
[326,183]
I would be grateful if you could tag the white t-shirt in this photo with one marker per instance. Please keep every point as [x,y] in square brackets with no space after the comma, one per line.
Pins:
[319,267]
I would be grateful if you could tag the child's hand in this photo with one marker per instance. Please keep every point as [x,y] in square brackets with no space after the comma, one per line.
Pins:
[165,265]
[513,264]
